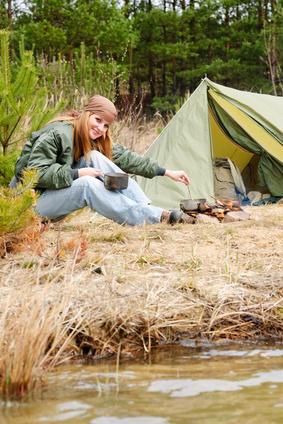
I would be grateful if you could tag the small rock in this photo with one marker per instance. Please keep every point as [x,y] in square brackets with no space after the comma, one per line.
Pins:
[236,216]
[206,219]
[98,270]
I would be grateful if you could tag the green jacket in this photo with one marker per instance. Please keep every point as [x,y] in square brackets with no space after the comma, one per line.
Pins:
[50,151]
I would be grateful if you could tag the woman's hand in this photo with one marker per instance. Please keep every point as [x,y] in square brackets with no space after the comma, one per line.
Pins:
[179,176]
[92,172]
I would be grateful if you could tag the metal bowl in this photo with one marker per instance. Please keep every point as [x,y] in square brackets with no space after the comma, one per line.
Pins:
[191,204]
[116,181]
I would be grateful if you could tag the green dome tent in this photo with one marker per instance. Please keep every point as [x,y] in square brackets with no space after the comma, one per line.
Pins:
[218,122]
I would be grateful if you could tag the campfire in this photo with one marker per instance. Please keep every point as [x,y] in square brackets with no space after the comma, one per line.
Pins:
[224,210]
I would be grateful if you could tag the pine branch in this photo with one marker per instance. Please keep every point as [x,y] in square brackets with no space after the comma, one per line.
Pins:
[5,63]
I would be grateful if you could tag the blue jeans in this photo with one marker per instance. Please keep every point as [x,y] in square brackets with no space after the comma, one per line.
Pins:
[129,206]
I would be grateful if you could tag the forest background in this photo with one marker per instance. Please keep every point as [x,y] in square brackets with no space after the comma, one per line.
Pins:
[154,50]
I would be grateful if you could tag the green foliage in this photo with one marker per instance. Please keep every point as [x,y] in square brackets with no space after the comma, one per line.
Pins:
[165,104]
[50,39]
[24,105]
[166,47]
[16,204]
[3,16]
[59,26]
[7,166]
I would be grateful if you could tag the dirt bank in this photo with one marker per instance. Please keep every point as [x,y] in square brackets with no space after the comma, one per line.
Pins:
[93,287]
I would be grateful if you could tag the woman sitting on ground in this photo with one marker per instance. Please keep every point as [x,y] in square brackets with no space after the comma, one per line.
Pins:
[73,150]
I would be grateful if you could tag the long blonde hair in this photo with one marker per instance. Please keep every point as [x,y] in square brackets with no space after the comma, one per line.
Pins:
[82,143]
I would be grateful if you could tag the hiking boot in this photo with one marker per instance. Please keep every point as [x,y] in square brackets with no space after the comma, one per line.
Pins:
[175,217]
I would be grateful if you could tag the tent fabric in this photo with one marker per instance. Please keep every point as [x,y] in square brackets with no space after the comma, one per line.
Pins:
[217,119]
[224,146]
[237,177]
[270,170]
[183,144]
[268,109]
[252,128]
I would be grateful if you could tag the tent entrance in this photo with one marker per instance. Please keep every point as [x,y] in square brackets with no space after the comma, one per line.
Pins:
[224,146]
[253,129]
[253,139]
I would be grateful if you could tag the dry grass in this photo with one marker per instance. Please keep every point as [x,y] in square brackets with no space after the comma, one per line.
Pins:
[97,288]
[136,132]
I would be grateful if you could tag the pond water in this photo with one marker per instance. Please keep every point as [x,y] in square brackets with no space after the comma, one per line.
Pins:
[233,383]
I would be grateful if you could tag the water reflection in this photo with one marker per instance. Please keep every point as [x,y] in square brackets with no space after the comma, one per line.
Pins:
[182,388]
[228,384]
[129,420]
[67,411]
[255,352]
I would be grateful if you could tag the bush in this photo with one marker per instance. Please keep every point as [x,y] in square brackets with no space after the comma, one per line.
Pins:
[7,167]
[16,204]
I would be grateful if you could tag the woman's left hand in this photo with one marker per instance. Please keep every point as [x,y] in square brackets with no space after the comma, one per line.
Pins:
[179,176]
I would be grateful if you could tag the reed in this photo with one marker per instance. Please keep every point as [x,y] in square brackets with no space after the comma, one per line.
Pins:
[35,334]
[134,130]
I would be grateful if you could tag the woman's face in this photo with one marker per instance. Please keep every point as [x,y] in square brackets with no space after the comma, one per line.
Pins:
[97,126]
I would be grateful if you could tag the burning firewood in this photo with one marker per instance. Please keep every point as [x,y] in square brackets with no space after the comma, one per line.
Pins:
[218,209]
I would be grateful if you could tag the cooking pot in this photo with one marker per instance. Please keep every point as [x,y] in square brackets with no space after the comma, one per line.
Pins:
[116,180]
[191,204]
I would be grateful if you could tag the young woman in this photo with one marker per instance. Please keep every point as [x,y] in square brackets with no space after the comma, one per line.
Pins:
[73,150]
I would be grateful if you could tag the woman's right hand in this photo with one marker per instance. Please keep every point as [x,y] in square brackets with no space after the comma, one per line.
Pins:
[92,172]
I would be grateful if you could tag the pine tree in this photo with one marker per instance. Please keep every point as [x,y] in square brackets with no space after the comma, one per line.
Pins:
[16,204]
[24,105]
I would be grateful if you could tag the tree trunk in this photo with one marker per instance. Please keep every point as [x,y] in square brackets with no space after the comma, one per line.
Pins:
[164,82]
[117,88]
[131,79]
[151,77]
[10,13]
[265,10]
[183,4]
[164,85]
[271,46]
[127,8]
[260,14]
[271,53]
[164,6]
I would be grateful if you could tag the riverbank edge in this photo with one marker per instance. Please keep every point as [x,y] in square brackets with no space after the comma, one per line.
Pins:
[93,289]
